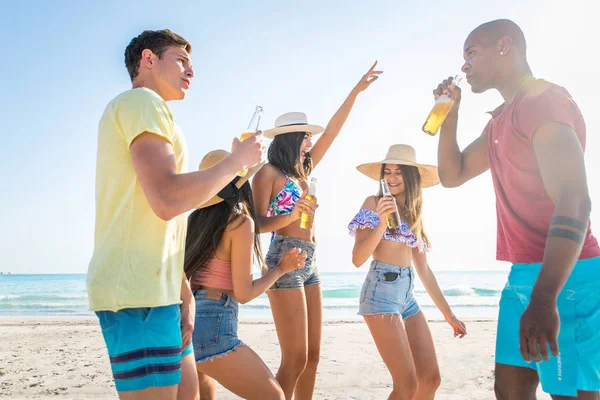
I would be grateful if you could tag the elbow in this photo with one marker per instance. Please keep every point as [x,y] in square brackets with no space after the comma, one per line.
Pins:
[260,224]
[423,271]
[448,182]
[164,210]
[585,206]
[449,178]
[165,216]
[242,296]
[164,202]
[357,261]
[167,205]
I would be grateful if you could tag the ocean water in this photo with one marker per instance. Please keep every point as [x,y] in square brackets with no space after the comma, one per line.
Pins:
[471,294]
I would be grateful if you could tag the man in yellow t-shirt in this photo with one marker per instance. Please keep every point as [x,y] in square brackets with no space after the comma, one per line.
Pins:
[135,279]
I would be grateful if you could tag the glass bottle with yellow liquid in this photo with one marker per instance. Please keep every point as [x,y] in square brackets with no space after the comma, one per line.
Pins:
[251,130]
[306,221]
[392,219]
[440,111]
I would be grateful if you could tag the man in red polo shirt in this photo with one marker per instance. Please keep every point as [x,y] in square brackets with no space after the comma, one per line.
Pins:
[549,320]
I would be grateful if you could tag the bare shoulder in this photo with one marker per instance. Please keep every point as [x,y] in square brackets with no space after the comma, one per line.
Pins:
[240,226]
[370,203]
[269,176]
[268,172]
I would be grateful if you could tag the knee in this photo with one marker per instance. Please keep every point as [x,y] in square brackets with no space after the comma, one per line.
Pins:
[189,392]
[207,388]
[274,394]
[506,392]
[515,383]
[499,391]
[430,382]
[206,394]
[407,388]
[295,362]
[313,359]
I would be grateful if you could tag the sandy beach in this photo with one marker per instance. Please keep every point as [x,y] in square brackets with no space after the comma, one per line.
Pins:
[49,358]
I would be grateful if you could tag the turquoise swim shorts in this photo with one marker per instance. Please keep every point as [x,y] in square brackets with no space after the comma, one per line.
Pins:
[577,367]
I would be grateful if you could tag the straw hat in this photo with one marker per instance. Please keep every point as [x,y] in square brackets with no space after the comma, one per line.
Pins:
[292,122]
[402,154]
[211,159]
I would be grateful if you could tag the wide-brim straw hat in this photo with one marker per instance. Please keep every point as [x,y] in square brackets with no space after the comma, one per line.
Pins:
[214,157]
[402,154]
[292,122]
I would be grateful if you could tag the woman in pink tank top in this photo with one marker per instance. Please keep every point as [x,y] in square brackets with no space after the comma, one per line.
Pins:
[222,245]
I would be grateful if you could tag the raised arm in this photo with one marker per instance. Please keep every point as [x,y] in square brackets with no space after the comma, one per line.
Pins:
[242,242]
[456,167]
[336,123]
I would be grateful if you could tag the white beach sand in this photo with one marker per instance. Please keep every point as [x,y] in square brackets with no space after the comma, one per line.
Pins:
[50,358]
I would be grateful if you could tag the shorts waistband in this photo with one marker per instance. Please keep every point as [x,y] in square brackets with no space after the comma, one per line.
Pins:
[586,265]
[304,243]
[217,295]
[381,266]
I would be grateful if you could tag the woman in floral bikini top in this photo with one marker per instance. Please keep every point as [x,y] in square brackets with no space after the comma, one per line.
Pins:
[286,199]
[278,196]
[367,218]
[404,340]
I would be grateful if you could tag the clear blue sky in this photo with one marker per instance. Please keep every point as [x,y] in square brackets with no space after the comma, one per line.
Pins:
[63,61]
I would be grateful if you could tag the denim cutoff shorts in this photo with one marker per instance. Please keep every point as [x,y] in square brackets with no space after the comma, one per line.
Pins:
[388,289]
[309,275]
[216,325]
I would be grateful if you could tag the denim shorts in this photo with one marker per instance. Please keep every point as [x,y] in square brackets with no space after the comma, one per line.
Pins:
[309,275]
[393,295]
[144,346]
[216,326]
[577,367]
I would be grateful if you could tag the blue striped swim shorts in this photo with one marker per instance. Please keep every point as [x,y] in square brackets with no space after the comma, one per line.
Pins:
[144,346]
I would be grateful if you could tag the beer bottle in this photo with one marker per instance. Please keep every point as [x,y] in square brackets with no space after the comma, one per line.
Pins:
[306,221]
[393,219]
[251,130]
[440,111]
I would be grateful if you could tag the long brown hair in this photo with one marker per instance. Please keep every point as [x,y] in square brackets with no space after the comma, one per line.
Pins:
[284,153]
[413,201]
[206,227]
